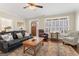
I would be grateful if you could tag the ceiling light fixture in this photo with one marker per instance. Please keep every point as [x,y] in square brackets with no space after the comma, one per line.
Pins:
[32,7]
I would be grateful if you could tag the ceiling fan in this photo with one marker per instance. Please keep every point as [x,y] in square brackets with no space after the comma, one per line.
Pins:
[32,5]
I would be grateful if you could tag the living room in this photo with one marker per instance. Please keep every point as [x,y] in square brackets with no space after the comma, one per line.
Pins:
[54,31]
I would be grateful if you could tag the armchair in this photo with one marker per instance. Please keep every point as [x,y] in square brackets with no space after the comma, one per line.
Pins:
[42,34]
[71,38]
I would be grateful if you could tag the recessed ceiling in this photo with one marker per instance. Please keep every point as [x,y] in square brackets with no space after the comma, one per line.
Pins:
[48,9]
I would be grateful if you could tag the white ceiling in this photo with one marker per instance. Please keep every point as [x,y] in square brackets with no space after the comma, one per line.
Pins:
[48,9]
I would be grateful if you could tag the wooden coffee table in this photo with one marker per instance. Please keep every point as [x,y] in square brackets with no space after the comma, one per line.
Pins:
[33,43]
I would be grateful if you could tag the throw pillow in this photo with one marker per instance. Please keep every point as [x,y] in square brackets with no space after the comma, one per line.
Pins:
[19,35]
[7,37]
[26,34]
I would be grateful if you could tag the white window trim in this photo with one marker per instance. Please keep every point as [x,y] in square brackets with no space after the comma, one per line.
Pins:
[57,18]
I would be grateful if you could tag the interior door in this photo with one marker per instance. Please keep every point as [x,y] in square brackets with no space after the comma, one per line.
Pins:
[33,28]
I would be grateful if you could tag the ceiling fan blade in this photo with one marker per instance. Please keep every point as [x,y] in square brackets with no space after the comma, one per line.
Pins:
[39,6]
[31,4]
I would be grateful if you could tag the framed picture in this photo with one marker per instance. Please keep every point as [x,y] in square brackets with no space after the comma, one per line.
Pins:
[20,24]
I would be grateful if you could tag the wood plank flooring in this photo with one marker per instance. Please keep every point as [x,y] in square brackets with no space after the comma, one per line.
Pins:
[50,48]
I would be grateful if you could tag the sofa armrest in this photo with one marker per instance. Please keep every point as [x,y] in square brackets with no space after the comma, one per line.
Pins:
[3,44]
[30,36]
[76,39]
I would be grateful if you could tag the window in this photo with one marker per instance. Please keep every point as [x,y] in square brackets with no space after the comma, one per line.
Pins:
[60,25]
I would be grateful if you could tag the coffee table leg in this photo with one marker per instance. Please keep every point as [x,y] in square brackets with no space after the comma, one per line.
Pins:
[24,49]
[34,51]
[42,43]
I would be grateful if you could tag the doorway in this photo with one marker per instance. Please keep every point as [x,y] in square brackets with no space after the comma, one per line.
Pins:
[34,27]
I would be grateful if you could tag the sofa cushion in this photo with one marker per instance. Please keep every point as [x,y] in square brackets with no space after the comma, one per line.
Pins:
[74,34]
[1,38]
[19,35]
[7,37]
[12,42]
[14,35]
[26,34]
[70,38]
[23,33]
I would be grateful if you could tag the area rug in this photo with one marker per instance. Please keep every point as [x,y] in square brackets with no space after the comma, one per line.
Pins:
[48,49]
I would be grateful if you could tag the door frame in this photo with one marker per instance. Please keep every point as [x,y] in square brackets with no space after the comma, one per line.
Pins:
[37,20]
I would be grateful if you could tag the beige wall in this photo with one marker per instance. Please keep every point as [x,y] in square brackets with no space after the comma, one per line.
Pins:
[77,21]
[16,27]
[71,16]
[27,25]
[14,20]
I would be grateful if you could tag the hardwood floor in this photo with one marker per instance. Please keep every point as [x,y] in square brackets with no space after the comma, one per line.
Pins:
[50,48]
